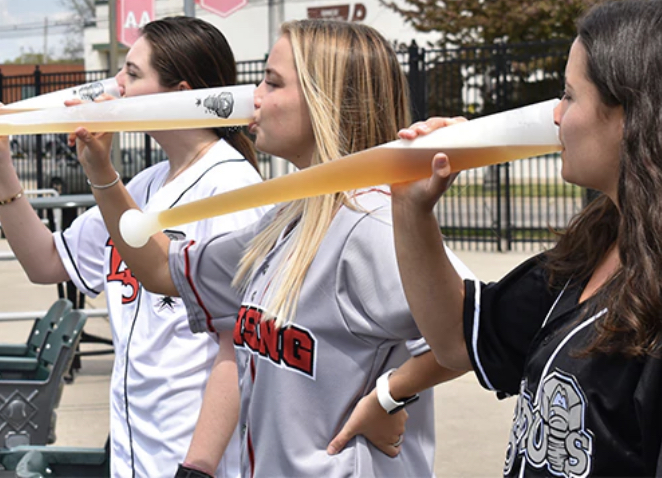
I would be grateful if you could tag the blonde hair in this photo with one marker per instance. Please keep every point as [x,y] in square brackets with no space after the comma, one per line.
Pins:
[357,97]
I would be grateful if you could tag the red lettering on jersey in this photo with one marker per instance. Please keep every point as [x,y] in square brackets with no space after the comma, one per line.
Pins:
[238,325]
[269,336]
[122,275]
[298,349]
[250,328]
[291,345]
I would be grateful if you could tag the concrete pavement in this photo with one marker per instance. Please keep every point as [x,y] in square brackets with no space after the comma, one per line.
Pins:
[472,425]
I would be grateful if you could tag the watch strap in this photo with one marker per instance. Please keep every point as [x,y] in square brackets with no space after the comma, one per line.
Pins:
[386,400]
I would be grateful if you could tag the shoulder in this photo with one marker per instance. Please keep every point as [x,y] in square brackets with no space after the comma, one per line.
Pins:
[141,180]
[223,168]
[369,221]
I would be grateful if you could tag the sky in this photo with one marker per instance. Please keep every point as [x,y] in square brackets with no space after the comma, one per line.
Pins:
[22,27]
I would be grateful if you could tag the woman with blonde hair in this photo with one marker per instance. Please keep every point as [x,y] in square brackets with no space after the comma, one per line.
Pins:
[323,328]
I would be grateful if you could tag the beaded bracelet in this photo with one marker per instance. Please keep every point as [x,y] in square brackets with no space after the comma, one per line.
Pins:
[105,186]
[10,200]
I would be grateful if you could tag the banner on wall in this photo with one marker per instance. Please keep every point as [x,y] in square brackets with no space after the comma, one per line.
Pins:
[132,15]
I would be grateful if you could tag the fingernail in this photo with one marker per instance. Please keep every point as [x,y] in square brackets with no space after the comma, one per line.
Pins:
[331,450]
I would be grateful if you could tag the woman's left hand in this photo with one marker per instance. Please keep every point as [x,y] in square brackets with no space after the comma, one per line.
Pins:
[370,420]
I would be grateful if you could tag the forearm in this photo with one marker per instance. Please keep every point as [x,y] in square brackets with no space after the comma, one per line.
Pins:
[417,374]
[149,263]
[29,238]
[434,290]
[219,413]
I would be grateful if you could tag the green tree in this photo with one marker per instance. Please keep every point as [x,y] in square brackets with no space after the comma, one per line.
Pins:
[475,22]
[83,12]
[490,56]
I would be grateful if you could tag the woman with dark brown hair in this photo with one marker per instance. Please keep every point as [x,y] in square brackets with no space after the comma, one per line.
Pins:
[161,369]
[575,331]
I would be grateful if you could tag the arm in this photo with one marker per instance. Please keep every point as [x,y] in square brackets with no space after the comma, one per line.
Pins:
[149,263]
[371,420]
[30,239]
[434,290]
[219,413]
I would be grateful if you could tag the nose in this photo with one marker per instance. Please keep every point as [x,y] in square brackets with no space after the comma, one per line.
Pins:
[558,113]
[257,95]
[121,80]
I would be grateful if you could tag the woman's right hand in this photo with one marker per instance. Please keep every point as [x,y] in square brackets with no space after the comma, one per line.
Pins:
[93,149]
[425,194]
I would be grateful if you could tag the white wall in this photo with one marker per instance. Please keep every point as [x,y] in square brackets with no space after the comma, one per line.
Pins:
[247,30]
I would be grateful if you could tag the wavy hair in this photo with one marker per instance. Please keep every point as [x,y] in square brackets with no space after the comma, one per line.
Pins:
[357,96]
[192,50]
[623,40]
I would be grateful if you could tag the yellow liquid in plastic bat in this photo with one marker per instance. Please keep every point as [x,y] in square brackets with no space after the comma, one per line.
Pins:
[124,125]
[375,166]
[9,111]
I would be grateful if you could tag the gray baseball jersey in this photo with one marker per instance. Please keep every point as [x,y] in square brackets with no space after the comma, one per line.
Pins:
[300,384]
[161,368]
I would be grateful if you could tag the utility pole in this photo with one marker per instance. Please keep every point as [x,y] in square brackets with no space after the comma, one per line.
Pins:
[45,59]
[276,18]
[115,152]
[189,8]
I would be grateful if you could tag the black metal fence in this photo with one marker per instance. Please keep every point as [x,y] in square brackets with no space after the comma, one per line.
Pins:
[504,207]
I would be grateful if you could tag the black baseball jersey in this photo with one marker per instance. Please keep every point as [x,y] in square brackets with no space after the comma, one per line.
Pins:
[576,415]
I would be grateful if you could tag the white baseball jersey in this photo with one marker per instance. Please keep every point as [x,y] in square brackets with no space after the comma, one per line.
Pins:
[161,368]
[300,384]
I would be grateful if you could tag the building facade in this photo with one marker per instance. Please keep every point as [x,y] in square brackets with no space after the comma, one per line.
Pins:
[251,29]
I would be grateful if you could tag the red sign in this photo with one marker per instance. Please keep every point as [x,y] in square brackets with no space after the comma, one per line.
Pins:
[224,8]
[132,15]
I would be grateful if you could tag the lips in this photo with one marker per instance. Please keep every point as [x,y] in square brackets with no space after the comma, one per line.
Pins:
[252,126]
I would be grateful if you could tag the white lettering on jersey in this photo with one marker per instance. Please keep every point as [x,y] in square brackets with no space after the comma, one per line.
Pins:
[550,431]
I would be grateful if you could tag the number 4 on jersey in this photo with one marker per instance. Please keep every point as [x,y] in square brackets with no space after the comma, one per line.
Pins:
[118,271]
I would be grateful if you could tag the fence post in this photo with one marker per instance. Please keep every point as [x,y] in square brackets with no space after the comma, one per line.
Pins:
[417,83]
[38,139]
[147,152]
[502,170]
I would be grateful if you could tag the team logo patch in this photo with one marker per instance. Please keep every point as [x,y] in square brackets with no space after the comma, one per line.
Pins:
[292,347]
[166,303]
[550,431]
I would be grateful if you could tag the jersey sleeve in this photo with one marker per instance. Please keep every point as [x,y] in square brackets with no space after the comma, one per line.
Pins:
[203,272]
[82,250]
[369,290]
[500,321]
[221,178]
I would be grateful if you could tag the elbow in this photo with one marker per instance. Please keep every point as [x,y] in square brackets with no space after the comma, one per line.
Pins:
[41,277]
[159,282]
[455,359]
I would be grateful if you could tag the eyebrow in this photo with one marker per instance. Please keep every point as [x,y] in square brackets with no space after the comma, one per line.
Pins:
[130,64]
[268,71]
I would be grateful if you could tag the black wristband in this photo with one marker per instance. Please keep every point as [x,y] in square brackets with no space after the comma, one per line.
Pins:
[186,472]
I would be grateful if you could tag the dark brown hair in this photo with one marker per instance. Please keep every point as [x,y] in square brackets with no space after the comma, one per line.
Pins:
[623,41]
[192,50]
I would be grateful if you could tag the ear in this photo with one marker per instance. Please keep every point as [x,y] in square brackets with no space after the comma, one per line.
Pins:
[183,85]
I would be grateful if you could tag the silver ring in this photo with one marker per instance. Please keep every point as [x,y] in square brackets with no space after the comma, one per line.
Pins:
[401,438]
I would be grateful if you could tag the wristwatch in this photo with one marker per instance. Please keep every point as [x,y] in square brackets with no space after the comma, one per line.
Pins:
[184,471]
[386,400]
